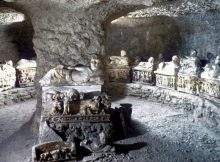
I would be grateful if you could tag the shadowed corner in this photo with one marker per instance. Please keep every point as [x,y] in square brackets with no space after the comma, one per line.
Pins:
[125,148]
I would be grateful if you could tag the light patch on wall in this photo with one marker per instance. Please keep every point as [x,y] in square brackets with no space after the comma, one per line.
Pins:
[117,20]
[9,16]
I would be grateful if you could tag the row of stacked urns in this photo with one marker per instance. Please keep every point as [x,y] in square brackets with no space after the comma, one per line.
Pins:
[23,74]
[184,75]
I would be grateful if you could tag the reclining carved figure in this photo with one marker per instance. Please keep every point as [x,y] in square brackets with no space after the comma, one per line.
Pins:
[76,74]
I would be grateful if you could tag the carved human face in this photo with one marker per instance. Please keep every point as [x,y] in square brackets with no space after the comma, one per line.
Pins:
[123,53]
[193,53]
[95,64]
[175,60]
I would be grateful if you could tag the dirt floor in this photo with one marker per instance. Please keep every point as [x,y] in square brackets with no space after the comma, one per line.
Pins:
[158,133]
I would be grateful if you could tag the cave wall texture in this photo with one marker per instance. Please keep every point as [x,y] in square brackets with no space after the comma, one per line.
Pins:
[16,36]
[149,36]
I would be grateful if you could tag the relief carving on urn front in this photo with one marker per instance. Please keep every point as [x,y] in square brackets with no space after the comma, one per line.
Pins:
[166,73]
[118,69]
[144,72]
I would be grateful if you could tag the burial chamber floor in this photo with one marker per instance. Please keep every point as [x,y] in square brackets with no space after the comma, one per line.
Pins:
[157,133]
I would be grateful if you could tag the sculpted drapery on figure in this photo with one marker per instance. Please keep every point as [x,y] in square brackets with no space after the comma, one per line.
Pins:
[75,75]
[191,65]
[169,68]
[188,76]
[118,69]
[210,82]
[119,61]
[212,71]
[148,66]
[144,72]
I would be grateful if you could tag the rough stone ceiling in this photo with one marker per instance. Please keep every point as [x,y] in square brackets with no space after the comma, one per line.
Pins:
[177,8]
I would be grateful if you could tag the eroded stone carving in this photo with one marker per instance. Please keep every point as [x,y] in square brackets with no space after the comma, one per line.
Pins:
[189,74]
[144,72]
[210,82]
[119,61]
[84,119]
[54,151]
[71,102]
[166,74]
[118,69]
[7,75]
[212,71]
[26,71]
[77,75]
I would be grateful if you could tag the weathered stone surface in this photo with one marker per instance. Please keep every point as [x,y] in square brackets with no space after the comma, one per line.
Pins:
[149,36]
[16,95]
[9,16]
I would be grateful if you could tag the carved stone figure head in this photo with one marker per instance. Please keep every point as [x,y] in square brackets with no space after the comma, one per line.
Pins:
[175,60]
[123,53]
[73,94]
[95,63]
[151,60]
[193,53]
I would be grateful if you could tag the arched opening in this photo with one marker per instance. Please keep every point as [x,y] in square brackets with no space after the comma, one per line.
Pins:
[17,56]
[149,32]
[16,35]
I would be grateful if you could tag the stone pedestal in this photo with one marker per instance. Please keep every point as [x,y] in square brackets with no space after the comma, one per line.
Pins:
[117,74]
[188,84]
[166,81]
[143,76]
[210,87]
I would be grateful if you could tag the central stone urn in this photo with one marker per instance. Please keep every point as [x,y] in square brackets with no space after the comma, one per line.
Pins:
[76,114]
